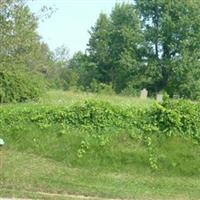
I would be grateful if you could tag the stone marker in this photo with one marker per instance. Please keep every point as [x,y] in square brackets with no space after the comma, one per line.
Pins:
[143,94]
[1,142]
[159,98]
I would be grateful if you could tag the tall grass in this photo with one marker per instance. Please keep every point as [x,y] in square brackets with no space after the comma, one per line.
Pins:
[71,97]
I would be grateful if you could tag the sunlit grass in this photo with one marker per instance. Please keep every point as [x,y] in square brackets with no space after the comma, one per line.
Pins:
[70,97]
[26,174]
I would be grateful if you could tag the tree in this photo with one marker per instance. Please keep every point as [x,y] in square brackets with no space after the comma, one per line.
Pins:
[61,55]
[86,71]
[21,54]
[59,74]
[18,33]
[115,45]
[126,44]
[99,47]
[171,30]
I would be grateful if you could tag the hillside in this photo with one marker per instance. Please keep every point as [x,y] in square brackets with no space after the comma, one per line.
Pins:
[55,150]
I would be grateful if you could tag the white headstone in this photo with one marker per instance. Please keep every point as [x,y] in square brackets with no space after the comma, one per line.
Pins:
[1,142]
[143,94]
[159,98]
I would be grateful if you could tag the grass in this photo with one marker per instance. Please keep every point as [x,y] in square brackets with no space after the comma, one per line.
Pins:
[34,173]
[114,164]
[70,97]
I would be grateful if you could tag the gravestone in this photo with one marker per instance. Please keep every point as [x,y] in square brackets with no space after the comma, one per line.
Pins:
[1,142]
[143,94]
[159,98]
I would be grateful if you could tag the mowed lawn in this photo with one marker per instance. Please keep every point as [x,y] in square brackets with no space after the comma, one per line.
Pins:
[118,170]
[24,175]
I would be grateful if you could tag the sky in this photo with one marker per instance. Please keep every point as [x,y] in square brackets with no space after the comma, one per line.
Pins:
[71,21]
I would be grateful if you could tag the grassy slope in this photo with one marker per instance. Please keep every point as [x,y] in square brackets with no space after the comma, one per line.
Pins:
[41,161]
[33,173]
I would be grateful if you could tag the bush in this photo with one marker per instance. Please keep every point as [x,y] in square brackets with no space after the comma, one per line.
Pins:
[131,90]
[175,117]
[90,114]
[101,88]
[19,86]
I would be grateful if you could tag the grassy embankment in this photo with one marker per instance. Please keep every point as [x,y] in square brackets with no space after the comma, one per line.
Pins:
[61,158]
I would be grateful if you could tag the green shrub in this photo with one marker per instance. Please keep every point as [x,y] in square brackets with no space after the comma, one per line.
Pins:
[90,114]
[19,86]
[175,117]
[101,88]
[171,118]
[131,91]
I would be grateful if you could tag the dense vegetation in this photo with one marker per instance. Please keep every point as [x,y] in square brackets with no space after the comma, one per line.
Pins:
[27,66]
[159,121]
[147,44]
[18,87]
[144,44]
[90,144]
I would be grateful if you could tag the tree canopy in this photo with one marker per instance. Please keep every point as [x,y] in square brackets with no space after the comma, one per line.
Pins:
[153,44]
[22,54]
[148,43]
[171,30]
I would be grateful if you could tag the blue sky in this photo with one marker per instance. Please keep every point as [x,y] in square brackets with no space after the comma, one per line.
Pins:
[70,23]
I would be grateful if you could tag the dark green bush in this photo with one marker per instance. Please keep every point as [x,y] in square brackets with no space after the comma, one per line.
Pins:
[19,86]
[175,117]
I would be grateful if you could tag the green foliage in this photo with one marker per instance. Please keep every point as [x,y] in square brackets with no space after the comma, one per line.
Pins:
[84,70]
[114,46]
[58,73]
[170,119]
[146,44]
[178,117]
[172,45]
[17,86]
[131,90]
[101,88]
[152,126]
[24,59]
[90,114]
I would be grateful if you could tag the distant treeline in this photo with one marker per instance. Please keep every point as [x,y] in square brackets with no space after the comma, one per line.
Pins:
[145,44]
